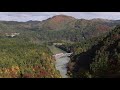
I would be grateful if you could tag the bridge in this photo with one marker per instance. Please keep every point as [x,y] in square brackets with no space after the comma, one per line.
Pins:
[60,55]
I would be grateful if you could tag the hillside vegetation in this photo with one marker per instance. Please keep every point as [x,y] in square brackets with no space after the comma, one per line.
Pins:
[58,28]
[97,57]
[22,59]
[95,45]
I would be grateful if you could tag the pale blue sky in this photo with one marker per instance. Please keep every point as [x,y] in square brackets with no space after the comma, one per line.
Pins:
[39,16]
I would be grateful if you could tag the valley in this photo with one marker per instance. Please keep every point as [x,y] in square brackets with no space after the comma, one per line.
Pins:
[27,48]
[61,62]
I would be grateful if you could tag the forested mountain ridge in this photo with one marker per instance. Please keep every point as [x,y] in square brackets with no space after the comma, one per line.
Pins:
[107,60]
[97,57]
[59,27]
[58,22]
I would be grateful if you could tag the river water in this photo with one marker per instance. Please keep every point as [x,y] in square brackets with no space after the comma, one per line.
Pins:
[61,63]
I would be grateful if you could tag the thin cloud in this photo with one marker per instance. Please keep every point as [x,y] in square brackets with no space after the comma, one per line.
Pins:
[39,16]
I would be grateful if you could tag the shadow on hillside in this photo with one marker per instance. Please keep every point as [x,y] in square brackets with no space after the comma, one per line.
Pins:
[83,60]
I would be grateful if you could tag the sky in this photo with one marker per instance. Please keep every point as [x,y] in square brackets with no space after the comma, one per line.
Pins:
[39,16]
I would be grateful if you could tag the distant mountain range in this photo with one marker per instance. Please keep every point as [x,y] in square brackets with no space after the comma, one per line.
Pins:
[60,22]
[83,27]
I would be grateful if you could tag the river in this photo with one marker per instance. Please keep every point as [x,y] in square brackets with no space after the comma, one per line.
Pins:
[61,63]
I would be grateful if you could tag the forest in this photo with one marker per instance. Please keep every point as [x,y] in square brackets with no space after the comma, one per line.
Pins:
[20,58]
[95,58]
[95,44]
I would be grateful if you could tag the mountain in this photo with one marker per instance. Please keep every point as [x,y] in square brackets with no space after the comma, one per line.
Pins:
[75,29]
[60,27]
[107,59]
[61,22]
[58,22]
[98,57]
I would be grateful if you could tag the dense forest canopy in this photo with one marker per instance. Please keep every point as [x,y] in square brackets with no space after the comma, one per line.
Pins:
[95,45]
[97,57]
[21,58]
[59,27]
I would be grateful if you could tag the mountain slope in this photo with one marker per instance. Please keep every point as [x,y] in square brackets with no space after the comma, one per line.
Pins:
[107,60]
[58,22]
[60,27]
[101,60]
